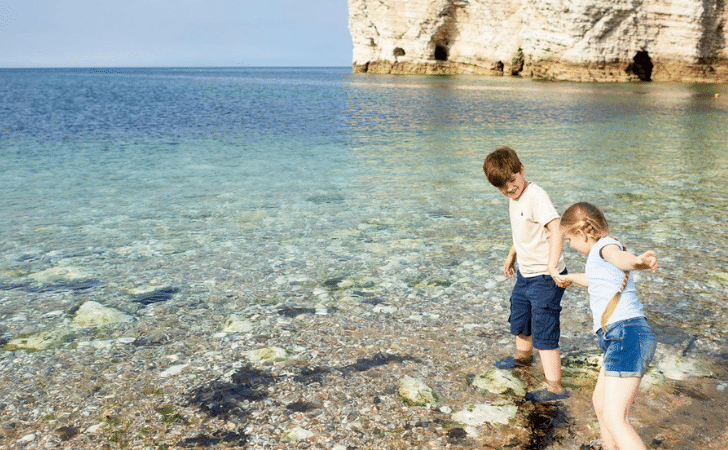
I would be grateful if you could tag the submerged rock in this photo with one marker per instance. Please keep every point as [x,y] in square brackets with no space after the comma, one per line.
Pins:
[89,314]
[267,355]
[237,324]
[497,381]
[296,434]
[37,342]
[414,392]
[55,274]
[676,367]
[491,412]
[652,378]
[581,370]
[92,314]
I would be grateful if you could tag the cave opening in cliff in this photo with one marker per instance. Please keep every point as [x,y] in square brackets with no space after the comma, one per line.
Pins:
[641,66]
[399,51]
[440,53]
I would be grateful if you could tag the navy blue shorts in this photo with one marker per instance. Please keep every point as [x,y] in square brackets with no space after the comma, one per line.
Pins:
[536,310]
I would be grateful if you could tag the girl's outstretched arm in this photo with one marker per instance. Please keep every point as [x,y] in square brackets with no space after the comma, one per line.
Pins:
[624,260]
[576,278]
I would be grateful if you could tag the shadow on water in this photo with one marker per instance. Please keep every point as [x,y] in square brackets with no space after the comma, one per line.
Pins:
[542,422]
[159,295]
[72,286]
[217,437]
[294,311]
[249,384]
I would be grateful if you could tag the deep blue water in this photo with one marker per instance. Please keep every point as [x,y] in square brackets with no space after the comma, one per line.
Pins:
[228,179]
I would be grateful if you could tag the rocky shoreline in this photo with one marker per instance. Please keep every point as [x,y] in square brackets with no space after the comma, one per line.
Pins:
[554,70]
[230,374]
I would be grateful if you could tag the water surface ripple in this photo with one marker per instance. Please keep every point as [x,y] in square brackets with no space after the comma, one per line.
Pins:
[268,183]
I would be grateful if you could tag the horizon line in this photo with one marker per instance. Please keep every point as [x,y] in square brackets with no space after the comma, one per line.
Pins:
[172,67]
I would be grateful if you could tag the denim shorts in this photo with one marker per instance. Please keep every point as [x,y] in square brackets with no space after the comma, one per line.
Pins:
[628,346]
[536,310]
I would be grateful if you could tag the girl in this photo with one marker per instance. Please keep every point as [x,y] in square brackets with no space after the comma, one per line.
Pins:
[624,335]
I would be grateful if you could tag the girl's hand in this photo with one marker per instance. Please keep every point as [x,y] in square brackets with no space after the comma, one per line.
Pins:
[646,261]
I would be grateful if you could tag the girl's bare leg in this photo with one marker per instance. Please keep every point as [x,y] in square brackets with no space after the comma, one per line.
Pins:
[608,442]
[613,398]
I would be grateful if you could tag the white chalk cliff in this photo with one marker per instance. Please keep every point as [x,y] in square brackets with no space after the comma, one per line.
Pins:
[581,40]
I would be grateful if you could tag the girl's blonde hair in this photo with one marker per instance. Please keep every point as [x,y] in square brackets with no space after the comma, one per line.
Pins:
[588,218]
[585,217]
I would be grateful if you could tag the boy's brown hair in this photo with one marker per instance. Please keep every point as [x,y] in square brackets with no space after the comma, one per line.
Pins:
[501,165]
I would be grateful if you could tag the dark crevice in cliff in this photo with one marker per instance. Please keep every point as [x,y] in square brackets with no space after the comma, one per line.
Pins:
[517,63]
[446,33]
[712,37]
[641,66]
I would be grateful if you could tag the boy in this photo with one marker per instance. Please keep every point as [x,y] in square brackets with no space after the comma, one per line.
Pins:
[537,245]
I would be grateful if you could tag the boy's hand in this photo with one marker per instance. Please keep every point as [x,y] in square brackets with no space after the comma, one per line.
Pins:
[560,280]
[576,278]
[509,268]
[646,261]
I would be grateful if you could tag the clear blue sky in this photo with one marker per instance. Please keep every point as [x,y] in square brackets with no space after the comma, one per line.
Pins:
[109,33]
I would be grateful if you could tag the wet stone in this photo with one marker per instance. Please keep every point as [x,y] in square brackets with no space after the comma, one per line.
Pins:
[91,314]
[499,381]
[414,392]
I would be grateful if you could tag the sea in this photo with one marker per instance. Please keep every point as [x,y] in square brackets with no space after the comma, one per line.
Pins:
[273,184]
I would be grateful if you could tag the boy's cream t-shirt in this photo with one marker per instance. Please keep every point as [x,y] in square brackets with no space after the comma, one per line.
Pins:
[529,216]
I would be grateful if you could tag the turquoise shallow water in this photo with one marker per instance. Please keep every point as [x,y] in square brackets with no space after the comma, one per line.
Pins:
[269,183]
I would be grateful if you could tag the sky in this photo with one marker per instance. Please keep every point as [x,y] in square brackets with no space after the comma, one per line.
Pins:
[174,33]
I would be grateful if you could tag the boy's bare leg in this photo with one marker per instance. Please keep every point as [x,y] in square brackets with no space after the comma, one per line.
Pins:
[551,360]
[524,349]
